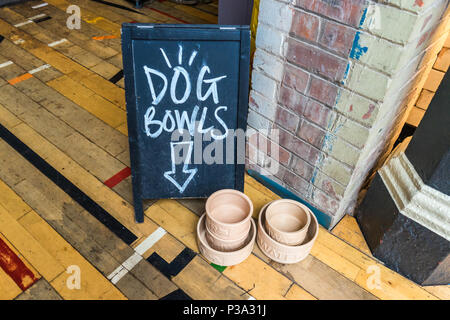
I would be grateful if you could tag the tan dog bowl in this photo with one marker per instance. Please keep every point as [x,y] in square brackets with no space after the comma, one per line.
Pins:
[283,253]
[224,245]
[224,258]
[228,214]
[287,221]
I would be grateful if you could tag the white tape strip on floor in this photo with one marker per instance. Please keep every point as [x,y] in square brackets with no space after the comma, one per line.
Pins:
[30,20]
[39,5]
[45,66]
[57,42]
[132,261]
[5,64]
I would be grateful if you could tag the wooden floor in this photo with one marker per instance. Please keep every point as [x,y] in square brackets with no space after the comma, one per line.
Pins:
[65,191]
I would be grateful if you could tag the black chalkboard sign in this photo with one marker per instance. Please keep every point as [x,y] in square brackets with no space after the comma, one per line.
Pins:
[187,98]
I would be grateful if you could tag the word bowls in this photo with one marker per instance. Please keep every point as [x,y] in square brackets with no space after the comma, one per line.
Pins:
[222,258]
[287,221]
[228,214]
[283,253]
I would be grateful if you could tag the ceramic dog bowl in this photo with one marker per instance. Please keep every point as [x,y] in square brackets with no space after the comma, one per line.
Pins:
[224,245]
[224,258]
[283,253]
[287,221]
[228,214]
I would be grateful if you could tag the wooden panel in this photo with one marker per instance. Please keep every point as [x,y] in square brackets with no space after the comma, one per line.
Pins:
[27,245]
[9,289]
[424,99]
[12,202]
[348,230]
[78,118]
[415,116]
[253,275]
[41,290]
[94,188]
[322,281]
[177,220]
[90,17]
[393,284]
[93,284]
[433,80]
[297,293]
[87,99]
[201,281]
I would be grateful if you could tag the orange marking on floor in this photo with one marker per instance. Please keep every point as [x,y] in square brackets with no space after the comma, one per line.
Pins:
[20,78]
[104,37]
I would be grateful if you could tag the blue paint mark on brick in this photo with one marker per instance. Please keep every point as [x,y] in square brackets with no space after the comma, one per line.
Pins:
[347,70]
[363,17]
[357,49]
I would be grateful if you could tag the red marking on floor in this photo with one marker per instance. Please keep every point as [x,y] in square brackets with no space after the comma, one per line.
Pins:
[118,177]
[167,15]
[104,37]
[15,268]
[418,3]
[20,78]
[351,108]
[369,112]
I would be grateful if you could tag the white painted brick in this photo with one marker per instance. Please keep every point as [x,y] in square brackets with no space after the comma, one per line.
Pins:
[356,107]
[264,85]
[262,105]
[389,22]
[399,25]
[276,14]
[336,170]
[269,64]
[270,39]
[367,82]
[411,4]
[376,52]
[258,121]
[350,131]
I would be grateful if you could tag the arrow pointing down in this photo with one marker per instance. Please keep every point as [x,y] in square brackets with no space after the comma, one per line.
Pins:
[171,175]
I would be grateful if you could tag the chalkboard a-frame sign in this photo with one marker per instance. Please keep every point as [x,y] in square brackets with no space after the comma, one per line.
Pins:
[190,79]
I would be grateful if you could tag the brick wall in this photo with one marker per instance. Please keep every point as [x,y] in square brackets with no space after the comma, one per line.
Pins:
[332,84]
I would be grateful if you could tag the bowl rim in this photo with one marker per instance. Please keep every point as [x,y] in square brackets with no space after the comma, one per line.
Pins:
[236,192]
[201,221]
[298,204]
[263,230]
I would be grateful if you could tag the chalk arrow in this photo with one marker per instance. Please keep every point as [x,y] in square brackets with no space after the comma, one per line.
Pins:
[189,173]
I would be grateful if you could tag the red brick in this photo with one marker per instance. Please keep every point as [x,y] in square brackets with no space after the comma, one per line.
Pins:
[292,100]
[286,119]
[345,11]
[305,25]
[269,147]
[311,134]
[323,91]
[304,150]
[295,181]
[316,60]
[302,168]
[295,78]
[324,202]
[317,113]
[337,37]
[283,157]
[284,138]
